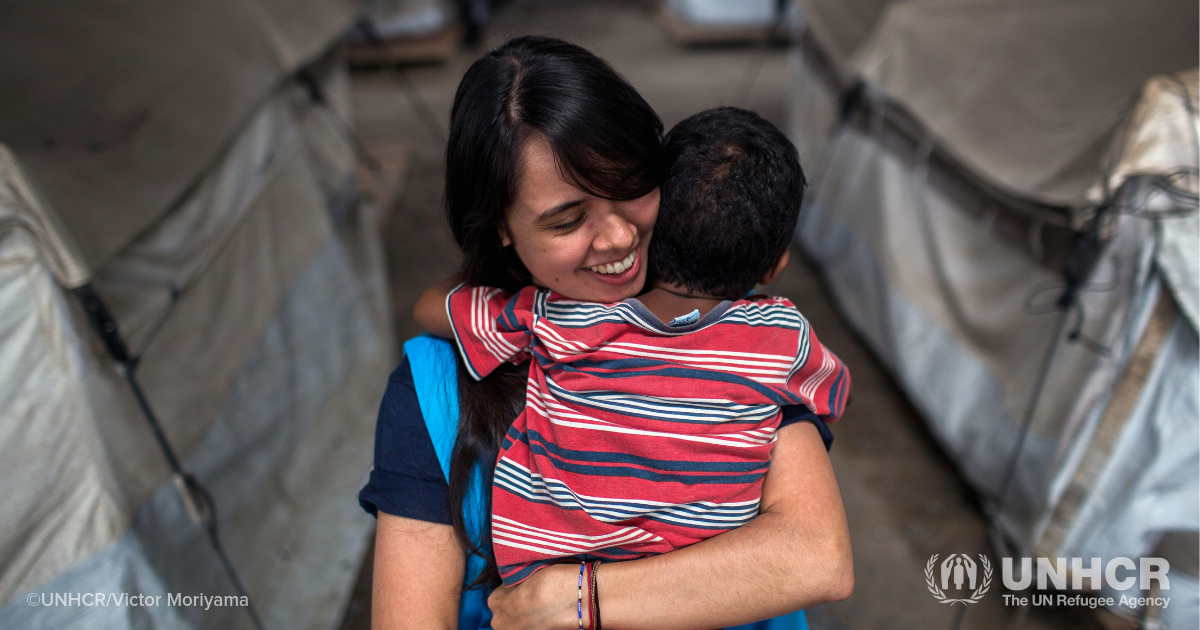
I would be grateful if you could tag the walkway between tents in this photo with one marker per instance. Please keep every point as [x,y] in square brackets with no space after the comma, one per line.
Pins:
[903,498]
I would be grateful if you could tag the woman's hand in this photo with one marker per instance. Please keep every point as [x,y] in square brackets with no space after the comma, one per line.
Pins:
[545,601]
[794,555]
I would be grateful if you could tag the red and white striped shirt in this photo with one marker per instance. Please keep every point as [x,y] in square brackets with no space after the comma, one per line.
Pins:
[637,437]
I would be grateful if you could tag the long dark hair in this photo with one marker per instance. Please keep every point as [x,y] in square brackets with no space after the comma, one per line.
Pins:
[606,140]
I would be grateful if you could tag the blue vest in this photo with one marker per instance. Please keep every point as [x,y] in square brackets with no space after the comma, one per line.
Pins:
[436,382]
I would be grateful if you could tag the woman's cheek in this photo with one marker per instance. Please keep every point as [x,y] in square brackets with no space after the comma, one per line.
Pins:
[560,258]
[573,255]
[647,211]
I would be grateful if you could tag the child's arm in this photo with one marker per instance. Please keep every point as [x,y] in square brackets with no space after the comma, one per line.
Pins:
[430,311]
[488,325]
[821,381]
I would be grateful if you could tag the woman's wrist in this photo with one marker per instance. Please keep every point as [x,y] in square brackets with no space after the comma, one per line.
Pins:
[558,592]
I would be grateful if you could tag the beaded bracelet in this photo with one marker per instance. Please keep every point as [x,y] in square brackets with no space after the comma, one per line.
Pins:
[579,606]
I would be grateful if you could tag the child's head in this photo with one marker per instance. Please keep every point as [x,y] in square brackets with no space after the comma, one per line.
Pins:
[729,204]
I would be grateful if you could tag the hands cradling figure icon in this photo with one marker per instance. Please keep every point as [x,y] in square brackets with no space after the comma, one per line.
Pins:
[960,567]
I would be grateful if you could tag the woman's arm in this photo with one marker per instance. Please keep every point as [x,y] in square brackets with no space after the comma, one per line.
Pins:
[418,574]
[795,554]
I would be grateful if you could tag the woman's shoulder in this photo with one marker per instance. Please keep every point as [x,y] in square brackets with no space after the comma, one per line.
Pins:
[401,377]
[401,396]
[406,479]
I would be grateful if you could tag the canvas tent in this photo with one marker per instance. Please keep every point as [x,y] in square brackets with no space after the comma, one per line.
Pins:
[186,165]
[973,160]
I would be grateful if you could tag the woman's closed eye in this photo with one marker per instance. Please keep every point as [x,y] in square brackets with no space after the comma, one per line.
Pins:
[570,226]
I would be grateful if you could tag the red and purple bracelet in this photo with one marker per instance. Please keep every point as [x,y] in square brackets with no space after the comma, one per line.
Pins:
[594,597]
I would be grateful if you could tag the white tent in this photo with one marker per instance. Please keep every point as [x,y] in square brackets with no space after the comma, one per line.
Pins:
[970,159]
[167,160]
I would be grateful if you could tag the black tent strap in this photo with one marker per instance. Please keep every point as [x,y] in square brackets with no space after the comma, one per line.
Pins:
[196,498]
[1084,255]
[316,95]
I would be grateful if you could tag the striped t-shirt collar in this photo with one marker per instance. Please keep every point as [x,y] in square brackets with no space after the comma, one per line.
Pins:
[650,318]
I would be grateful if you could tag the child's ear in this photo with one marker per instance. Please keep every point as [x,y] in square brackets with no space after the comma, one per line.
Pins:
[505,241]
[777,269]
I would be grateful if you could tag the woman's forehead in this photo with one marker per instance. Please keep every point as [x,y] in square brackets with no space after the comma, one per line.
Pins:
[541,187]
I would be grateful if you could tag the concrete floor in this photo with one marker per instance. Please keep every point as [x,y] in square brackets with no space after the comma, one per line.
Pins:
[903,498]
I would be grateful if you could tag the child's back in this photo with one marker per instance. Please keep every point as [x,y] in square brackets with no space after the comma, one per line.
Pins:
[638,438]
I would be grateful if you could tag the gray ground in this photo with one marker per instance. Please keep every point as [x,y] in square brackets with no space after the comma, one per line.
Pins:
[903,498]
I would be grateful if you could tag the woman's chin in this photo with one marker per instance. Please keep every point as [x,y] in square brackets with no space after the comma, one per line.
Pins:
[587,287]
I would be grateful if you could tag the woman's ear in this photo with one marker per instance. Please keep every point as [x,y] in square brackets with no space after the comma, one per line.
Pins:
[505,241]
[777,269]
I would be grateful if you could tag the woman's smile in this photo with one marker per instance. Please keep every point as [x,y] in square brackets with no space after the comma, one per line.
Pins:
[617,267]
[618,273]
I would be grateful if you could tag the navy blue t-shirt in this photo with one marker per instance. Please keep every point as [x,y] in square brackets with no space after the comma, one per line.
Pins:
[407,479]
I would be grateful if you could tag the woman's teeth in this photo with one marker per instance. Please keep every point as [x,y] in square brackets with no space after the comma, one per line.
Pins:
[617,267]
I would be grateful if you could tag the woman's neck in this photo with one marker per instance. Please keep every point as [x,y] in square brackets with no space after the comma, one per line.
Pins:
[668,301]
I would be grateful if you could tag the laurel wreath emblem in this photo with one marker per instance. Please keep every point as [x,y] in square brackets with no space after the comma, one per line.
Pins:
[975,596]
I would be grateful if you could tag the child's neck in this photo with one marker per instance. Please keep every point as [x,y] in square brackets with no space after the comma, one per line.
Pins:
[668,301]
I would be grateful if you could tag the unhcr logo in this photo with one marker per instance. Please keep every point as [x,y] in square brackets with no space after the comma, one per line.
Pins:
[959,574]
[959,578]
[1117,574]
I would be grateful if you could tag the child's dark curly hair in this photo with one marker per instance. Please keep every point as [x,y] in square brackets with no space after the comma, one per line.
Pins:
[729,204]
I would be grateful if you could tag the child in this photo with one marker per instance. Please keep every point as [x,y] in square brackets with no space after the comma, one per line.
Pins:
[639,436]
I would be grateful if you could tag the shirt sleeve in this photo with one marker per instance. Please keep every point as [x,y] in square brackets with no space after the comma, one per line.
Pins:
[819,377]
[491,326]
[406,479]
[792,414]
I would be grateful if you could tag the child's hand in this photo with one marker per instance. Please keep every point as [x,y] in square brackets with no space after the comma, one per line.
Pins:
[430,310]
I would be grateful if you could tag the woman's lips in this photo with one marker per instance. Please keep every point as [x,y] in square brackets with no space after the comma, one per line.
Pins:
[619,278]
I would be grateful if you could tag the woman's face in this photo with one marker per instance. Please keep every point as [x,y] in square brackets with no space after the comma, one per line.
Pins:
[576,244]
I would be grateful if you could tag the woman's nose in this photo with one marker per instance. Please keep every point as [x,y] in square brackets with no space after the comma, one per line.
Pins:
[615,233]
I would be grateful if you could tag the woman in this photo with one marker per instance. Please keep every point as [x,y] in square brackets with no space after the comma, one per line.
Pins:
[552,171]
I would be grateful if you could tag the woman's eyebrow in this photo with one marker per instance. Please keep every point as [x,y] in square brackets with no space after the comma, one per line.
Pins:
[546,215]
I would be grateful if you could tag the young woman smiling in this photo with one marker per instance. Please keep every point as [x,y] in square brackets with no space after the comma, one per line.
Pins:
[552,174]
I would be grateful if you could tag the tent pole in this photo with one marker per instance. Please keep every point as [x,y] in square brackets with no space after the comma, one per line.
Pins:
[1085,251]
[1026,422]
[196,498]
